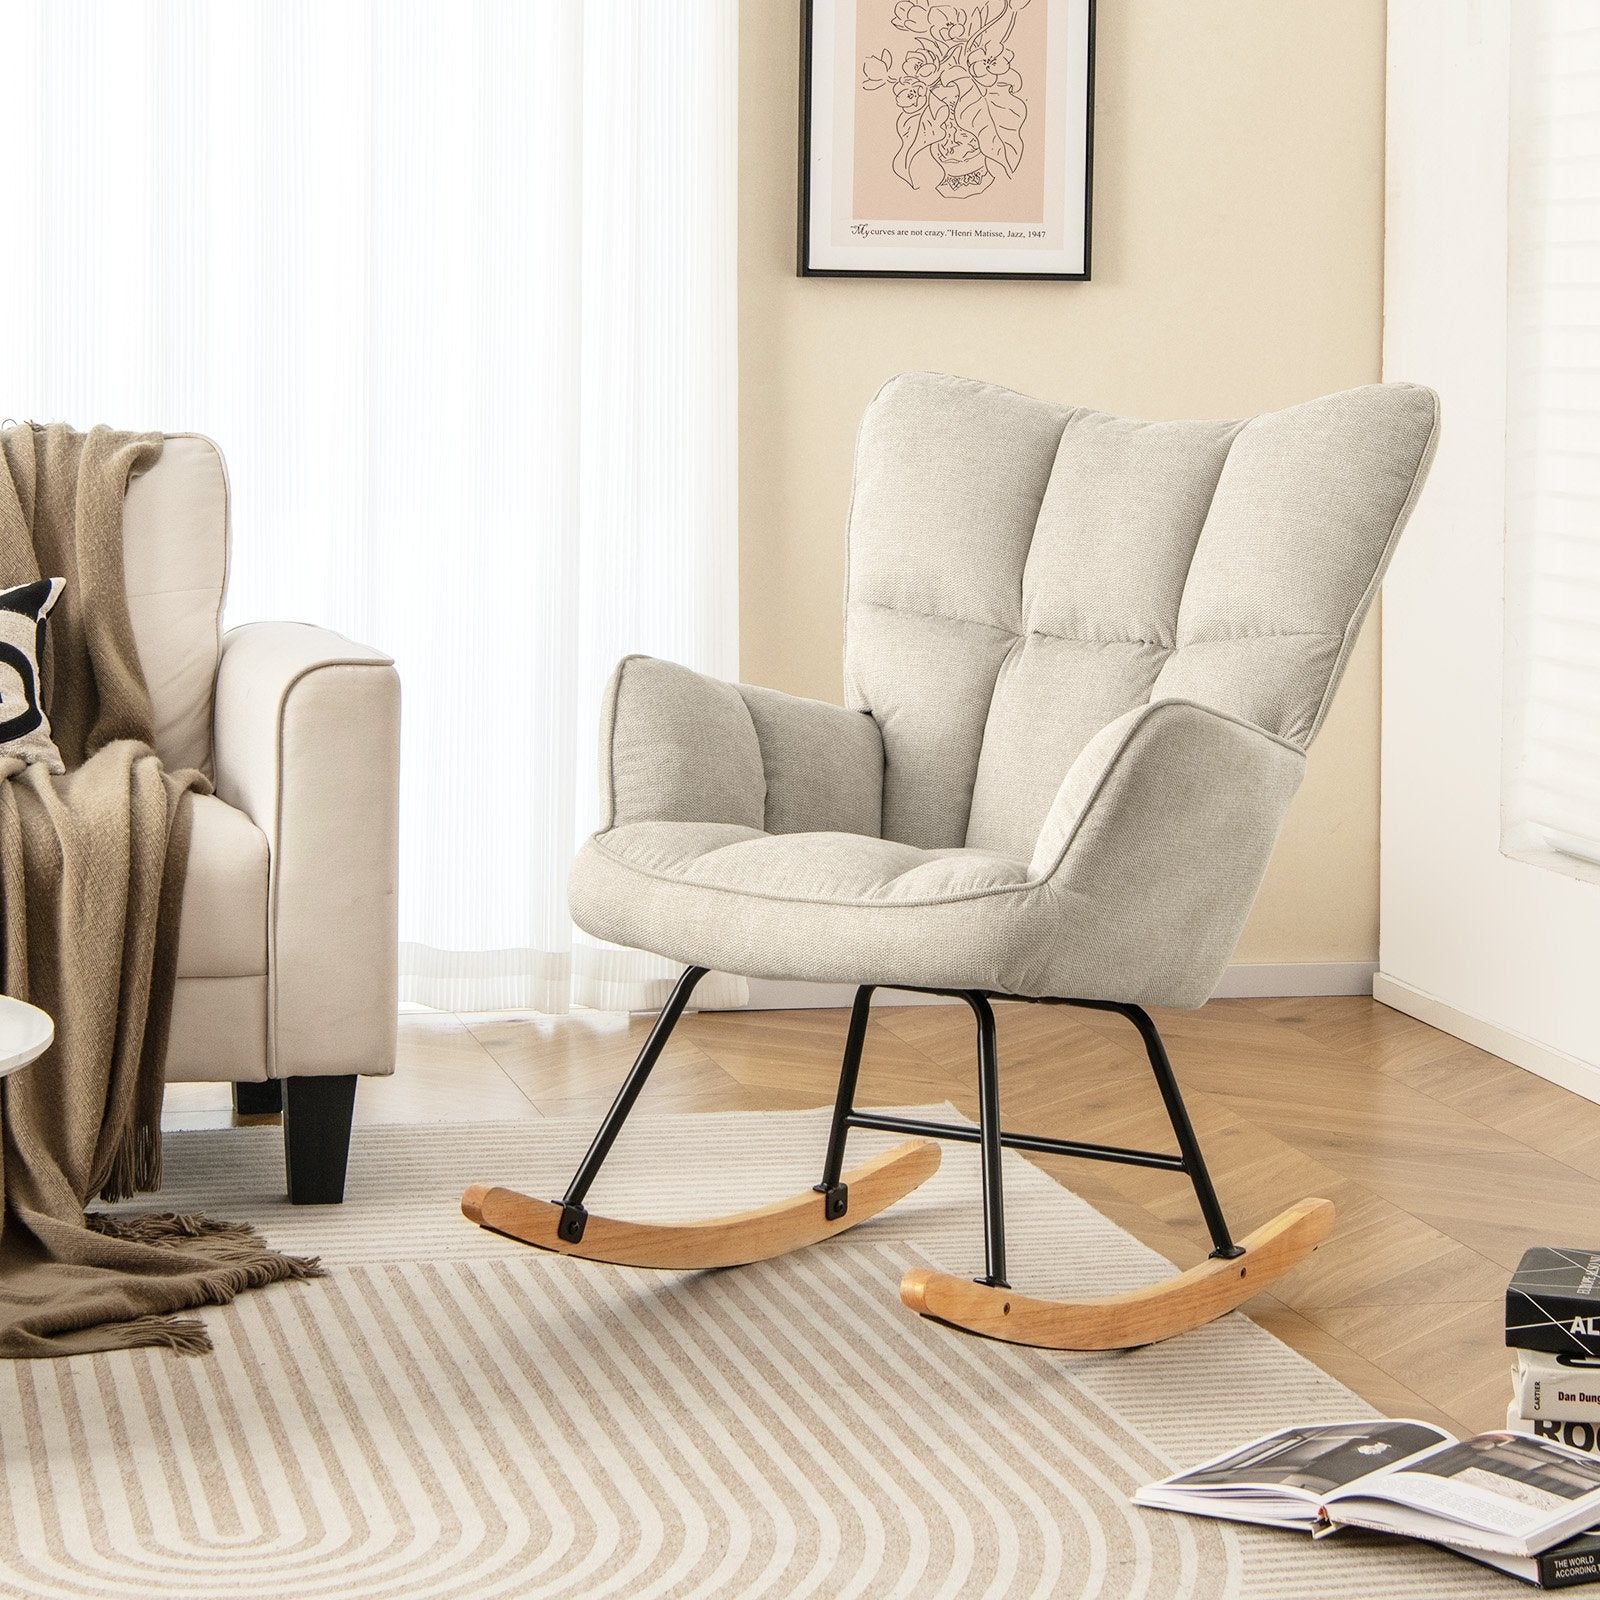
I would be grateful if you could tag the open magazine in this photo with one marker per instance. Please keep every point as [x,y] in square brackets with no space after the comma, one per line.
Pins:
[1504,1493]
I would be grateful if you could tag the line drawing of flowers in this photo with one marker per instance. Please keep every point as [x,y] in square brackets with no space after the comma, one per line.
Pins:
[957,93]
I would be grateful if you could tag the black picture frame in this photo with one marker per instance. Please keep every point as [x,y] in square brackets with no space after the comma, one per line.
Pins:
[806,268]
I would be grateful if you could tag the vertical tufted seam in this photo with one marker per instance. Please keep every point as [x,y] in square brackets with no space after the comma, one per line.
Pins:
[1020,637]
[1205,522]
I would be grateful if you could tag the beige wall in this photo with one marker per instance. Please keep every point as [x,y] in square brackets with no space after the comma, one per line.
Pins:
[1238,216]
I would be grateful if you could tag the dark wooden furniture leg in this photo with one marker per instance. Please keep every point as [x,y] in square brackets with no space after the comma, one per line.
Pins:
[258,1099]
[316,1137]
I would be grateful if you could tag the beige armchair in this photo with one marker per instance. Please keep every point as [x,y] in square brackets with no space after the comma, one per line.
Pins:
[287,966]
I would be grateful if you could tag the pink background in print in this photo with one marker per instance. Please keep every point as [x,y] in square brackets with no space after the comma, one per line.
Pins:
[880,194]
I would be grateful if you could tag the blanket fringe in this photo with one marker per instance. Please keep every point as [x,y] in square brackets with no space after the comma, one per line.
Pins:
[136,1163]
[238,1258]
[185,1336]
[245,1260]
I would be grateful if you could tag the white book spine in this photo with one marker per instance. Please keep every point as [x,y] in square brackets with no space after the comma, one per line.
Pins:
[1545,1389]
[1575,1435]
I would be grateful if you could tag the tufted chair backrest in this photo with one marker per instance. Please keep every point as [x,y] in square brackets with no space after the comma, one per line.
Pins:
[1021,574]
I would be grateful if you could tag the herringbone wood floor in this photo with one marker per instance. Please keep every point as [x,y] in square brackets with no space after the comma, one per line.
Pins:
[1445,1162]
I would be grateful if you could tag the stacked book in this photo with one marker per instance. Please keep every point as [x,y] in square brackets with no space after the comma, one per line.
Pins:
[1553,1326]
[1556,1397]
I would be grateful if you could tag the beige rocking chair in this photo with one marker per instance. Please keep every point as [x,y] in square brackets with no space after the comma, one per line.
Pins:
[1084,658]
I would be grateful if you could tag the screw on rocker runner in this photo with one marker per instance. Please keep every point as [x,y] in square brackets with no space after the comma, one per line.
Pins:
[1229,1276]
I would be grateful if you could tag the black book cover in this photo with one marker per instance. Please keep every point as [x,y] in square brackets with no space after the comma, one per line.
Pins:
[1553,1302]
[1576,1561]
[1563,1566]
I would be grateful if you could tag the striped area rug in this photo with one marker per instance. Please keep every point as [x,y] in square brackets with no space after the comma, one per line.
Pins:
[449,1416]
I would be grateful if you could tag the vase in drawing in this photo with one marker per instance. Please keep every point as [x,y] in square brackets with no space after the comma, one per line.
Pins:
[965,168]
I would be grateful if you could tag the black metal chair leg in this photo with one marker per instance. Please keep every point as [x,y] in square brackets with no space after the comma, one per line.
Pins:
[1194,1163]
[994,1215]
[573,1215]
[836,1195]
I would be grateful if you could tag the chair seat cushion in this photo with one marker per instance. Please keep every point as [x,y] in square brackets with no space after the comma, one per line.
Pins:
[843,869]
[824,907]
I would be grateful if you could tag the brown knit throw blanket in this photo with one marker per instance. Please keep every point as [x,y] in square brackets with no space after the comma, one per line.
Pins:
[91,885]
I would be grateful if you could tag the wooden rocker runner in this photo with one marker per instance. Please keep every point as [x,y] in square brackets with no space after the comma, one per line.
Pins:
[1085,657]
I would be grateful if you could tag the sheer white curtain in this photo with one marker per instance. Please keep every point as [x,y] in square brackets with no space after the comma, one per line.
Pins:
[453,288]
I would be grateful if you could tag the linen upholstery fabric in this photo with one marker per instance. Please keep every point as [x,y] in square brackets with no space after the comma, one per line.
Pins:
[308,749]
[287,954]
[24,724]
[1094,651]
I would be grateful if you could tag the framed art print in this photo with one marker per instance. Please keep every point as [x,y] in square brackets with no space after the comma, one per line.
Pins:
[946,141]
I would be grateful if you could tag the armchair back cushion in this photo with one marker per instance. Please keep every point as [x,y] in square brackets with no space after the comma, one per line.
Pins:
[175,556]
[1021,574]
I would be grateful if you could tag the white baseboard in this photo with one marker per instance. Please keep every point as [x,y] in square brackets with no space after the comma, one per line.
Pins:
[1238,982]
[1581,1077]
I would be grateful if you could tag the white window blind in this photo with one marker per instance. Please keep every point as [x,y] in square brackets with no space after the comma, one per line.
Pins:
[1552,612]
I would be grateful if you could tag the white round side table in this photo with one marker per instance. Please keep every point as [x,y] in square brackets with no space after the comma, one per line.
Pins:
[25,1033]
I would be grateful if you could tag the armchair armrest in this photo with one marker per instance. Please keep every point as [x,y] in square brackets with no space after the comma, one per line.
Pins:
[1158,840]
[307,744]
[677,746]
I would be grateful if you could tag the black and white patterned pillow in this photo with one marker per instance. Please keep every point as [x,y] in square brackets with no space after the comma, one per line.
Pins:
[24,727]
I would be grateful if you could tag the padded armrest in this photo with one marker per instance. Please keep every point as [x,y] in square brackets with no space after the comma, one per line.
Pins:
[1160,835]
[1195,767]
[307,744]
[677,746]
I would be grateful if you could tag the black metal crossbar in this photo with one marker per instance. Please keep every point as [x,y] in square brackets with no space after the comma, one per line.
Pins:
[1019,1141]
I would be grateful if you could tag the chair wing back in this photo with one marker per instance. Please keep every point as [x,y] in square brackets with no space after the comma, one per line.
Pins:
[175,558]
[1021,574]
